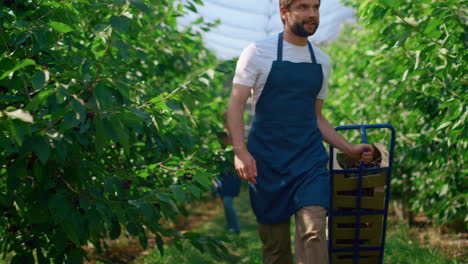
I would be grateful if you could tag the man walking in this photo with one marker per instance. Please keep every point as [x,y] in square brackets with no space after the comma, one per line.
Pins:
[284,160]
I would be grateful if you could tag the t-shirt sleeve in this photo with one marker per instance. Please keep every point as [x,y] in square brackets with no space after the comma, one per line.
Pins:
[246,68]
[326,75]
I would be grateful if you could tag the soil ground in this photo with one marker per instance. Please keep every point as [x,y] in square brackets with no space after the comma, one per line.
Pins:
[127,249]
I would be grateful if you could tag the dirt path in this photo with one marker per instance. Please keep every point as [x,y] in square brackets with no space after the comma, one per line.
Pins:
[126,249]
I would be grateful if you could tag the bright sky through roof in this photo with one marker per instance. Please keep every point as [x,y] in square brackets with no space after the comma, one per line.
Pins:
[245,21]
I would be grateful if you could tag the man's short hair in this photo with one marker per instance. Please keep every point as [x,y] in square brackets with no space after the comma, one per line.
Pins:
[287,4]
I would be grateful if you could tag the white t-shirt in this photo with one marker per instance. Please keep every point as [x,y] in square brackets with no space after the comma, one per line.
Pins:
[256,59]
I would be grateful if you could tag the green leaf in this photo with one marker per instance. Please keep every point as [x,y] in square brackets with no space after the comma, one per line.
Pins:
[120,23]
[15,174]
[69,229]
[140,5]
[3,202]
[61,151]
[5,143]
[6,64]
[140,113]
[40,257]
[104,95]
[133,228]
[74,256]
[143,240]
[42,149]
[22,64]
[444,125]
[191,7]
[390,3]
[19,131]
[444,190]
[432,25]
[38,173]
[119,2]
[115,229]
[71,120]
[102,138]
[124,53]
[178,245]
[38,80]
[204,180]
[197,245]
[39,99]
[166,199]
[122,134]
[160,244]
[157,99]
[163,197]
[60,241]
[23,258]
[38,215]
[21,38]
[178,193]
[40,38]
[94,221]
[149,211]
[60,27]
[196,192]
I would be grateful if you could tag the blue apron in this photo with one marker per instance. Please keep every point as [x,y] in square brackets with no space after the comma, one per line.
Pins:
[286,142]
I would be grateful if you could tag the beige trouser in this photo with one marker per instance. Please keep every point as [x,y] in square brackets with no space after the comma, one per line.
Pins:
[310,238]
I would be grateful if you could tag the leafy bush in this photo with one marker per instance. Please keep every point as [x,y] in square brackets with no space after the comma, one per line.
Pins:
[405,64]
[108,113]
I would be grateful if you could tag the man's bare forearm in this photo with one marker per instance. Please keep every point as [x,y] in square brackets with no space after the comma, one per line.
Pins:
[244,163]
[235,115]
[330,135]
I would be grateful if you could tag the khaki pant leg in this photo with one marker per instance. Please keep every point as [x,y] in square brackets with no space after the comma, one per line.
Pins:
[310,238]
[276,243]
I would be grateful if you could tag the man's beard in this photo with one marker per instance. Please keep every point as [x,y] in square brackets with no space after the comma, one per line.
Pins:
[298,28]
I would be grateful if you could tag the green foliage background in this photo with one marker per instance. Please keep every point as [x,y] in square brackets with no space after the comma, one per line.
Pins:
[405,63]
[108,112]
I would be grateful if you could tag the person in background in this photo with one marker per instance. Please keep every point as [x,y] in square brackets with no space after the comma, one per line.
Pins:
[227,186]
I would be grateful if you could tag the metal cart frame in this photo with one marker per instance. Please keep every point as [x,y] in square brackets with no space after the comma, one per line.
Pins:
[359,212]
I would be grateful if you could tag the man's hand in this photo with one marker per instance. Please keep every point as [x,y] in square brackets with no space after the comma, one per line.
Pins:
[245,166]
[364,152]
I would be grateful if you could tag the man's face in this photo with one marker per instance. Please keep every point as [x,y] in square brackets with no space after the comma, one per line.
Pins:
[302,17]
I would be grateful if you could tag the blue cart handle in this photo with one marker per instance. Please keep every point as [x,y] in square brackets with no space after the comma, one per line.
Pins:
[370,126]
[363,129]
[363,136]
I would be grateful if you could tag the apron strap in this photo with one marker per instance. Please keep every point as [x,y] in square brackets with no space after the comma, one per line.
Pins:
[312,55]
[280,49]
